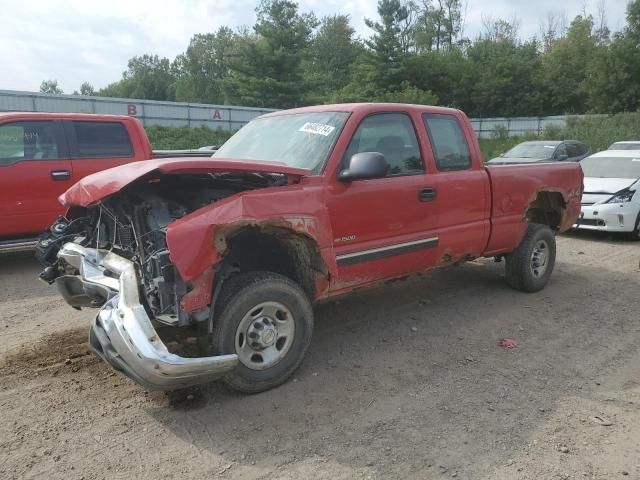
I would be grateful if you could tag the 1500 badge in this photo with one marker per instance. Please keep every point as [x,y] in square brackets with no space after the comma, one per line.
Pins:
[346,238]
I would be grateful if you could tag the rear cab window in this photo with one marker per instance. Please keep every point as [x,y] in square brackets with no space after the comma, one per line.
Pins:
[101,140]
[392,135]
[28,140]
[449,144]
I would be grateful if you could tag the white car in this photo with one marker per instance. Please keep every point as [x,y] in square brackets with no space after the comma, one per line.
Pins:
[611,198]
[626,145]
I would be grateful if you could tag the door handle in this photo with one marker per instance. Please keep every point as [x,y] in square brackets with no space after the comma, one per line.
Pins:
[60,174]
[427,194]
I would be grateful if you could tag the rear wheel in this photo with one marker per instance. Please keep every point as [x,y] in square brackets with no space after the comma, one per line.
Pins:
[267,320]
[529,266]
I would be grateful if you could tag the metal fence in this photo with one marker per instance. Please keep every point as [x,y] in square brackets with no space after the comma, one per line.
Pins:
[150,112]
[516,126]
[226,117]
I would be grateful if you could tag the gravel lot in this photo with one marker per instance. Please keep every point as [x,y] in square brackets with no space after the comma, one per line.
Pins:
[405,381]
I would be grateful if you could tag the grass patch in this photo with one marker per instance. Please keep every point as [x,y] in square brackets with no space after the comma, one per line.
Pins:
[598,132]
[185,138]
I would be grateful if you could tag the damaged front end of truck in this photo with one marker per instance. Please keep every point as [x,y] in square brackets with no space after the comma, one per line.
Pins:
[113,251]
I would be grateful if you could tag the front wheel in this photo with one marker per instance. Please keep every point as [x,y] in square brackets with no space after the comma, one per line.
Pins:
[267,320]
[529,266]
[635,234]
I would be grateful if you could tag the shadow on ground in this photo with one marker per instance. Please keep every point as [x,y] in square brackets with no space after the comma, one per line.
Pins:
[374,395]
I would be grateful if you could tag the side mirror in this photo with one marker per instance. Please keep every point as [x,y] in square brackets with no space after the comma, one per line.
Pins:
[365,165]
[562,157]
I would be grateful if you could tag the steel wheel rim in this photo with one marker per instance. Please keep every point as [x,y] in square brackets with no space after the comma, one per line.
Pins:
[264,335]
[539,258]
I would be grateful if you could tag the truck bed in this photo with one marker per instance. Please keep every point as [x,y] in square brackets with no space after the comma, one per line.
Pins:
[515,187]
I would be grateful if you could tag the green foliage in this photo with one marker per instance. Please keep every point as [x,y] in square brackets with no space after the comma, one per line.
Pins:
[267,70]
[405,93]
[494,147]
[415,53]
[333,52]
[185,138]
[553,132]
[205,67]
[615,71]
[601,131]
[502,76]
[500,132]
[565,66]
[148,77]
[87,89]
[597,131]
[386,54]
[50,86]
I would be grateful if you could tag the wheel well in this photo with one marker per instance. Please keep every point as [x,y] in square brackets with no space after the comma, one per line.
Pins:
[277,250]
[548,209]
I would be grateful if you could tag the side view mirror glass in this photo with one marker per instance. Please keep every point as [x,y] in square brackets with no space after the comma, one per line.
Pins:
[365,165]
[562,157]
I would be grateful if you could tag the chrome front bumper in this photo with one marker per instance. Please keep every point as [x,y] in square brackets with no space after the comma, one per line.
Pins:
[122,333]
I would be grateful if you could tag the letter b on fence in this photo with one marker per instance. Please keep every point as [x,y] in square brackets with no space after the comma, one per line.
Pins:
[132,109]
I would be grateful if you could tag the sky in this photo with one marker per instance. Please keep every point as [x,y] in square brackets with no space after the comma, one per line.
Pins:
[87,40]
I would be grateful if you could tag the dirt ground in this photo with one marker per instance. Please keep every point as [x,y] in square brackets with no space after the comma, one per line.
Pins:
[405,381]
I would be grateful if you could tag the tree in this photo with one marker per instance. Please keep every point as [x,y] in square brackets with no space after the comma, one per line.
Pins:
[615,70]
[438,24]
[50,86]
[503,77]
[387,54]
[565,67]
[332,55]
[452,22]
[205,66]
[87,89]
[148,77]
[267,71]
[441,73]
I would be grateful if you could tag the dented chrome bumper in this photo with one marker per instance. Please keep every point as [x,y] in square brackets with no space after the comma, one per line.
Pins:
[122,333]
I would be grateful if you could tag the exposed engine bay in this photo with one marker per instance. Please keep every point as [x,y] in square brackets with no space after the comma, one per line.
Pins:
[133,225]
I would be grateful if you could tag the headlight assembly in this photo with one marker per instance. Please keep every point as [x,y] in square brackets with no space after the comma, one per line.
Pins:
[623,196]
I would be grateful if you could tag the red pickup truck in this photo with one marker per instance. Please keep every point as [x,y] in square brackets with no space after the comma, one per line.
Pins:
[43,154]
[298,206]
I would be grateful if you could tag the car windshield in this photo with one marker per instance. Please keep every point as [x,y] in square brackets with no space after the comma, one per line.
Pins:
[531,150]
[625,146]
[296,139]
[611,167]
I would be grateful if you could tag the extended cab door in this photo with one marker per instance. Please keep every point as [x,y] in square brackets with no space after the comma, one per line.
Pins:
[462,192]
[98,145]
[34,171]
[383,227]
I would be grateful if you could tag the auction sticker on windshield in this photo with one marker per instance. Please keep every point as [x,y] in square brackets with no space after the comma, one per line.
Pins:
[317,128]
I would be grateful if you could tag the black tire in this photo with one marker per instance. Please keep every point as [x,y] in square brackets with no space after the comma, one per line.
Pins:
[635,234]
[240,295]
[520,269]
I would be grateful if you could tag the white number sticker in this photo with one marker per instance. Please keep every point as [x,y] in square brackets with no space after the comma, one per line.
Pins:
[317,128]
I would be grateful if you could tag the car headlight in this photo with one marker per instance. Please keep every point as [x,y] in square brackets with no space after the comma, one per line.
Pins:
[622,197]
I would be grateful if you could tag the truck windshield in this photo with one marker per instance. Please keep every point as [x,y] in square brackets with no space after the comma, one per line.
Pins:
[611,167]
[296,139]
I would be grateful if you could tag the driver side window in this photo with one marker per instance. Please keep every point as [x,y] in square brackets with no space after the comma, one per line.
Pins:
[392,135]
[28,140]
